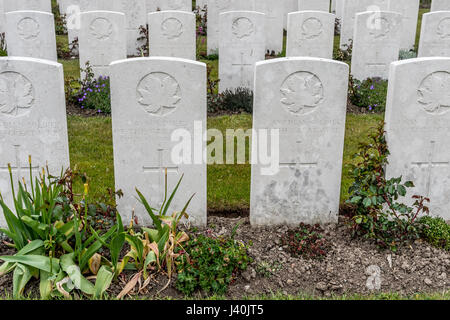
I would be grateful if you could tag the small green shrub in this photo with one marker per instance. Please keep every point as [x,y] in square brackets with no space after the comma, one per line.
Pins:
[345,54]
[379,215]
[436,231]
[239,100]
[306,241]
[407,54]
[3,47]
[60,20]
[369,94]
[211,264]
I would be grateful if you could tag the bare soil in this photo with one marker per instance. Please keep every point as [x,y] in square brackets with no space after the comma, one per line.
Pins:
[347,269]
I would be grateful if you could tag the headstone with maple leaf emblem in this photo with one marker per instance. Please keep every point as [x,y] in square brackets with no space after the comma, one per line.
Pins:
[418,129]
[241,45]
[150,99]
[305,99]
[376,43]
[215,8]
[32,120]
[172,34]
[310,34]
[102,40]
[35,5]
[31,34]
[314,5]
[440,5]
[435,35]
[136,16]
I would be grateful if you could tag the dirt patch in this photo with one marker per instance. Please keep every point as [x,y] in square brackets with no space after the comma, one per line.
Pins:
[73,110]
[349,268]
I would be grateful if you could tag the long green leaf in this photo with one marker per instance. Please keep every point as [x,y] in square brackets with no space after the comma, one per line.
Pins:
[21,276]
[74,273]
[154,218]
[167,205]
[104,279]
[36,261]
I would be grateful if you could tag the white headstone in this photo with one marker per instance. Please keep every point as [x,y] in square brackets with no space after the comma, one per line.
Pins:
[172,34]
[376,44]
[32,120]
[152,97]
[339,9]
[2,17]
[306,100]
[177,5]
[289,6]
[136,16]
[350,8]
[409,9]
[333,6]
[310,34]
[314,5]
[102,40]
[435,35]
[418,129]
[201,3]
[32,5]
[31,34]
[241,45]
[440,5]
[215,8]
[274,24]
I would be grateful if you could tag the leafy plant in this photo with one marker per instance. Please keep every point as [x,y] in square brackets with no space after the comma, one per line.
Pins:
[211,264]
[379,214]
[157,247]
[407,54]
[436,231]
[232,101]
[307,241]
[60,20]
[345,54]
[144,39]
[369,94]
[268,269]
[3,46]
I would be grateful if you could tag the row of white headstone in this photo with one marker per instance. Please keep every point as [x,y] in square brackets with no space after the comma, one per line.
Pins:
[304,98]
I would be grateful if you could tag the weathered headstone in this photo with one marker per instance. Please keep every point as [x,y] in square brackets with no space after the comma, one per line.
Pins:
[152,97]
[201,3]
[32,120]
[215,8]
[435,35]
[136,16]
[177,5]
[274,24]
[31,34]
[440,5]
[418,129]
[2,17]
[314,5]
[241,45]
[305,99]
[102,40]
[24,5]
[172,34]
[289,6]
[310,34]
[409,9]
[350,8]
[376,44]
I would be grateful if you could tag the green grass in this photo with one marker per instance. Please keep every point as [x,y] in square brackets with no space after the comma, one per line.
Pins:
[90,141]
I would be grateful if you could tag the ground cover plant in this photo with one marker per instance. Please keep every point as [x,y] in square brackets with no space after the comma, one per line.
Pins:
[369,94]
[436,231]
[307,241]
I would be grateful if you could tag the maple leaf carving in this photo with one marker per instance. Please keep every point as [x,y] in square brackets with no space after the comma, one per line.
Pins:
[172,28]
[242,28]
[443,29]
[380,28]
[28,28]
[159,93]
[101,28]
[311,28]
[302,92]
[434,93]
[16,93]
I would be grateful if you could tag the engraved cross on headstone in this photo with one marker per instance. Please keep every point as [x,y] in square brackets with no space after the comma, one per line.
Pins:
[430,163]
[242,65]
[160,170]
[17,166]
[299,163]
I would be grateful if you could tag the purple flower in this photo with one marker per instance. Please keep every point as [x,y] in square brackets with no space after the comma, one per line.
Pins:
[372,87]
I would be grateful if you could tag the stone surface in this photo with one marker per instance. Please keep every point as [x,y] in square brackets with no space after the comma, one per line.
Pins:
[274,24]
[409,9]
[310,34]
[289,6]
[435,35]
[152,97]
[31,34]
[34,5]
[178,5]
[306,99]
[32,120]
[215,8]
[2,17]
[241,45]
[418,129]
[172,34]
[315,5]
[376,44]
[440,5]
[102,40]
